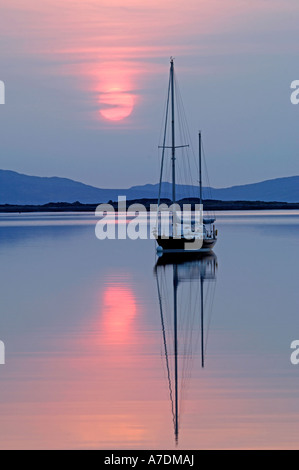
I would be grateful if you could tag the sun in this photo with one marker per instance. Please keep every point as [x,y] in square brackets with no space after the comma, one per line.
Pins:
[116,104]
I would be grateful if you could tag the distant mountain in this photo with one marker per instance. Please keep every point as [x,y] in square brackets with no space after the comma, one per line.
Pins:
[19,189]
[279,189]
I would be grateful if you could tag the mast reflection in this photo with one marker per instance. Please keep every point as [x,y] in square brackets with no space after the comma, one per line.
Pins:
[184,302]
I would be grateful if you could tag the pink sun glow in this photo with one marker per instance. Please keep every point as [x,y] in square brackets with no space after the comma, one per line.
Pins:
[116,104]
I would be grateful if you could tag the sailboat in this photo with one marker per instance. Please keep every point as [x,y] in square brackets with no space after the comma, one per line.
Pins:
[184,306]
[200,236]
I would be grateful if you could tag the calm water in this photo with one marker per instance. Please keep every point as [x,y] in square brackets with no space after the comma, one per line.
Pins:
[90,332]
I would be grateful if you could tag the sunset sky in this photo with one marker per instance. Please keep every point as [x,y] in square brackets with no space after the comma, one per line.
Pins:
[86,84]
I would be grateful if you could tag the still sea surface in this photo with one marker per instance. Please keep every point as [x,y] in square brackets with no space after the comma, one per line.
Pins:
[108,349]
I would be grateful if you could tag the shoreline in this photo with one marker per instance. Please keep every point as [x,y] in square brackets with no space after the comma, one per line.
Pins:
[209,205]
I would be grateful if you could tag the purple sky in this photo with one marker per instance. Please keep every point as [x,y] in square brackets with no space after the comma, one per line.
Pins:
[86,85]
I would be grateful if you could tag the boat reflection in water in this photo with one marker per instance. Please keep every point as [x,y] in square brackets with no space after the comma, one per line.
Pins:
[185,308]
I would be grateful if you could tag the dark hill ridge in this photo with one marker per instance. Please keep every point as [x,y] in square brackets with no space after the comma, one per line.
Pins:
[209,205]
[19,189]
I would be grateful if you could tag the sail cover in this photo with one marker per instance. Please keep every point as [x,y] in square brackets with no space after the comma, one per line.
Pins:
[209,221]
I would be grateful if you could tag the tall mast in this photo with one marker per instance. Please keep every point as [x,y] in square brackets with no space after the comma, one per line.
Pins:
[202,322]
[175,311]
[170,97]
[164,142]
[200,170]
[172,129]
